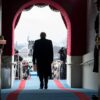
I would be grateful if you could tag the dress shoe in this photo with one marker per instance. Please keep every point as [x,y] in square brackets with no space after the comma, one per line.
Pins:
[41,86]
[46,87]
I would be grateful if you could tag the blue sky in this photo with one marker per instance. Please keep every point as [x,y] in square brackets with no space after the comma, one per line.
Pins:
[37,19]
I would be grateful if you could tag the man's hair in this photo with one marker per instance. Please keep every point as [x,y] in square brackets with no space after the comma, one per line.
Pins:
[43,35]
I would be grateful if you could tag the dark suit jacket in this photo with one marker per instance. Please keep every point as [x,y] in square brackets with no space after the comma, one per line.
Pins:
[43,55]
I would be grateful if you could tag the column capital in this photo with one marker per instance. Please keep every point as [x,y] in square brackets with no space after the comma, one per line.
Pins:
[3,42]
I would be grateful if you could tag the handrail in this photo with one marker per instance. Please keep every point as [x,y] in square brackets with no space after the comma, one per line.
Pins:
[73,64]
[87,62]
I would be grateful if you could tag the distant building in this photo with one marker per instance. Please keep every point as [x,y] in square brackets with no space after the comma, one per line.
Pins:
[24,52]
[30,47]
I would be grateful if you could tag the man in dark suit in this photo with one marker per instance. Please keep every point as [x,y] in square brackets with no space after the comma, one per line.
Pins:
[42,58]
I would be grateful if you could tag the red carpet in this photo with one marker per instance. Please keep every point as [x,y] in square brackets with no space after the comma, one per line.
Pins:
[14,95]
[80,95]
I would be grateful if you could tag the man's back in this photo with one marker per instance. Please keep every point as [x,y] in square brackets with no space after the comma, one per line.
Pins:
[42,58]
[43,50]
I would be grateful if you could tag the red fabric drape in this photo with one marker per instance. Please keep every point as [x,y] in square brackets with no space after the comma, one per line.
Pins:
[38,5]
[17,20]
[53,8]
[64,21]
[29,7]
[41,5]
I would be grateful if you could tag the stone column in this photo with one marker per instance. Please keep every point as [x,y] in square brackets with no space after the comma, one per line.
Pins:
[99,60]
[74,71]
[0,50]
[2,42]
[6,72]
[0,69]
[99,77]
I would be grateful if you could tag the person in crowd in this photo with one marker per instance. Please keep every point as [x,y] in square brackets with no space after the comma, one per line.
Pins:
[62,53]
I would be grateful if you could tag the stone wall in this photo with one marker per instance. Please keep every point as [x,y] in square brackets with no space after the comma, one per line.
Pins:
[91,18]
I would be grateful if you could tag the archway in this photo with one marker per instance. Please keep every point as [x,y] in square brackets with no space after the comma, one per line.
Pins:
[28,30]
[76,26]
[56,6]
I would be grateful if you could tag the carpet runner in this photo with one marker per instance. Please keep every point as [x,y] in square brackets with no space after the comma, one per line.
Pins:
[57,89]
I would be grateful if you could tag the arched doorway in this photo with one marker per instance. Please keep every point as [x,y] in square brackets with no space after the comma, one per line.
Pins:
[75,25]
[53,5]
[29,27]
